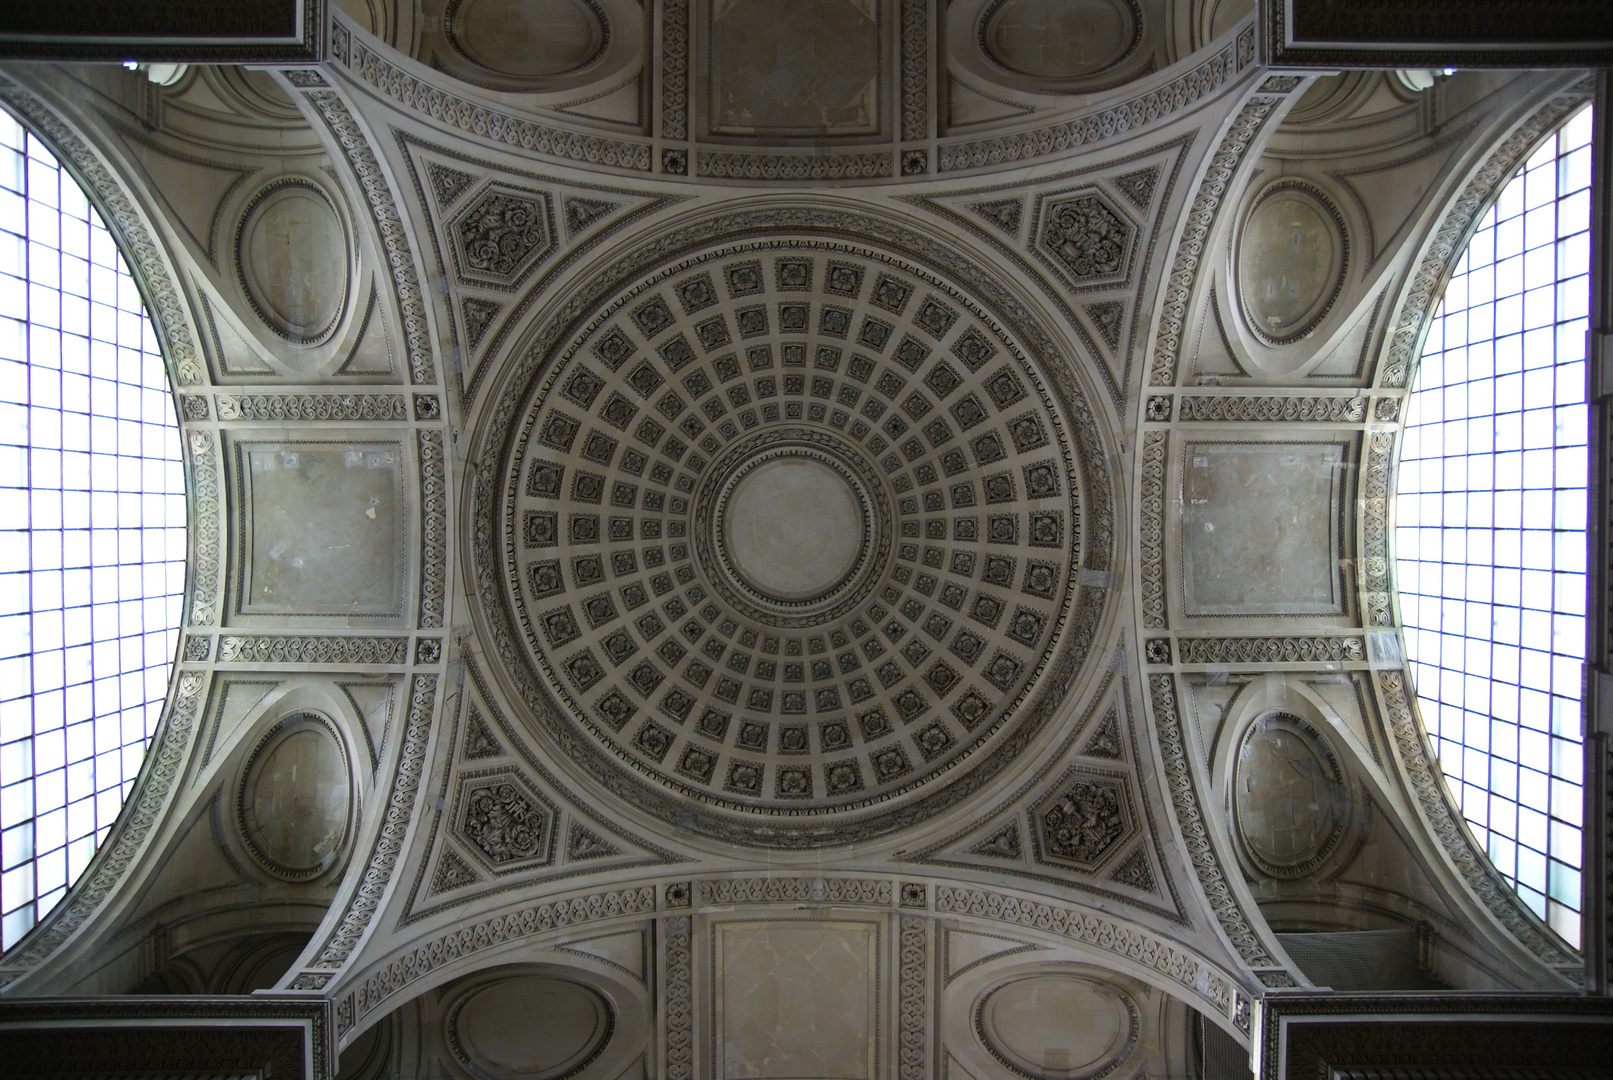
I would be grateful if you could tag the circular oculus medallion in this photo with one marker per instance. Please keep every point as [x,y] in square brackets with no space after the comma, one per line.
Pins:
[790,530]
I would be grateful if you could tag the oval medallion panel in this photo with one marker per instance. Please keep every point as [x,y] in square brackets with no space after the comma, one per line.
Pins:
[1291,261]
[1060,39]
[521,42]
[291,256]
[1058,1027]
[295,800]
[789,531]
[1289,797]
[530,1027]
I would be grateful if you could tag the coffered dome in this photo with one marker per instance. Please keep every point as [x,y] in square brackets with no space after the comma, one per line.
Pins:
[794,528]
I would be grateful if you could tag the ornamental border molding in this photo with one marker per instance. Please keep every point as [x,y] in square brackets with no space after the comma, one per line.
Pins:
[497,930]
[205,588]
[912,959]
[1151,528]
[675,69]
[1266,409]
[1200,218]
[679,998]
[720,165]
[1375,495]
[1199,977]
[1449,240]
[1195,834]
[121,216]
[931,258]
[284,649]
[147,803]
[1117,120]
[391,81]
[1350,649]
[389,228]
[366,897]
[433,528]
[760,890]
[312,407]
[915,70]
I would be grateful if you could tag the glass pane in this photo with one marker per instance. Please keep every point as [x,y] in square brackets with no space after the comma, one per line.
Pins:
[1495,442]
[84,665]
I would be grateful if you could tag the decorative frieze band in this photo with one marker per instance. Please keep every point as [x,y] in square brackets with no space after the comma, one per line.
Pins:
[804,890]
[467,116]
[1151,510]
[278,649]
[792,166]
[389,228]
[366,898]
[1335,410]
[209,532]
[312,407]
[1091,928]
[536,919]
[1118,120]
[1271,650]
[433,529]
[1195,834]
[1200,219]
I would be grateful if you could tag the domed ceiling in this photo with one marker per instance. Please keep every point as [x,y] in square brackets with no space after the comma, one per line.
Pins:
[794,528]
[836,534]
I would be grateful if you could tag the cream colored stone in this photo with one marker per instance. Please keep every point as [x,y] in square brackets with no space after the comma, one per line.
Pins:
[794,527]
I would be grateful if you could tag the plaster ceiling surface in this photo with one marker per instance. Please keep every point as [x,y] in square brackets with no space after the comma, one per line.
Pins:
[847,569]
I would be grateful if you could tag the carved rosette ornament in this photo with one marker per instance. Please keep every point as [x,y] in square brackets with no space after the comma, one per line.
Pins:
[793,530]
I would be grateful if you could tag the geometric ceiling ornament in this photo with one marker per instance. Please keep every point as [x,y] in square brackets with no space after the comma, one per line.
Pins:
[1138,187]
[498,236]
[581,212]
[1002,844]
[478,315]
[1105,741]
[790,532]
[447,184]
[1135,871]
[451,873]
[503,821]
[1107,317]
[1003,213]
[479,741]
[584,843]
[1083,820]
[1085,237]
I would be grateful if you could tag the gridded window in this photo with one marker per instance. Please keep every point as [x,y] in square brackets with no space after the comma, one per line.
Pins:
[92,530]
[1491,526]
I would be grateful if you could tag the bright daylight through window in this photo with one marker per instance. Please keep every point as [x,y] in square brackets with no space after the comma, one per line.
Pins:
[92,530]
[1491,526]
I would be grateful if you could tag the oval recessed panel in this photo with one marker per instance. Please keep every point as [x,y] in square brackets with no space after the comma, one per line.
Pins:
[1058,1026]
[1290,262]
[526,39]
[292,260]
[296,798]
[531,1027]
[1059,39]
[1289,796]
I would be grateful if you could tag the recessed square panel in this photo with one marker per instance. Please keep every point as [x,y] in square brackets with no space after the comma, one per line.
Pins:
[1261,528]
[321,529]
[794,1000]
[812,68]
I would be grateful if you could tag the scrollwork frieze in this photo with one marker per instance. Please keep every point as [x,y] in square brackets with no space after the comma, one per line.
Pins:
[1091,928]
[366,897]
[1151,533]
[1331,410]
[723,166]
[312,407]
[433,528]
[1118,120]
[1271,650]
[280,649]
[209,528]
[1200,219]
[389,227]
[795,890]
[1195,833]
